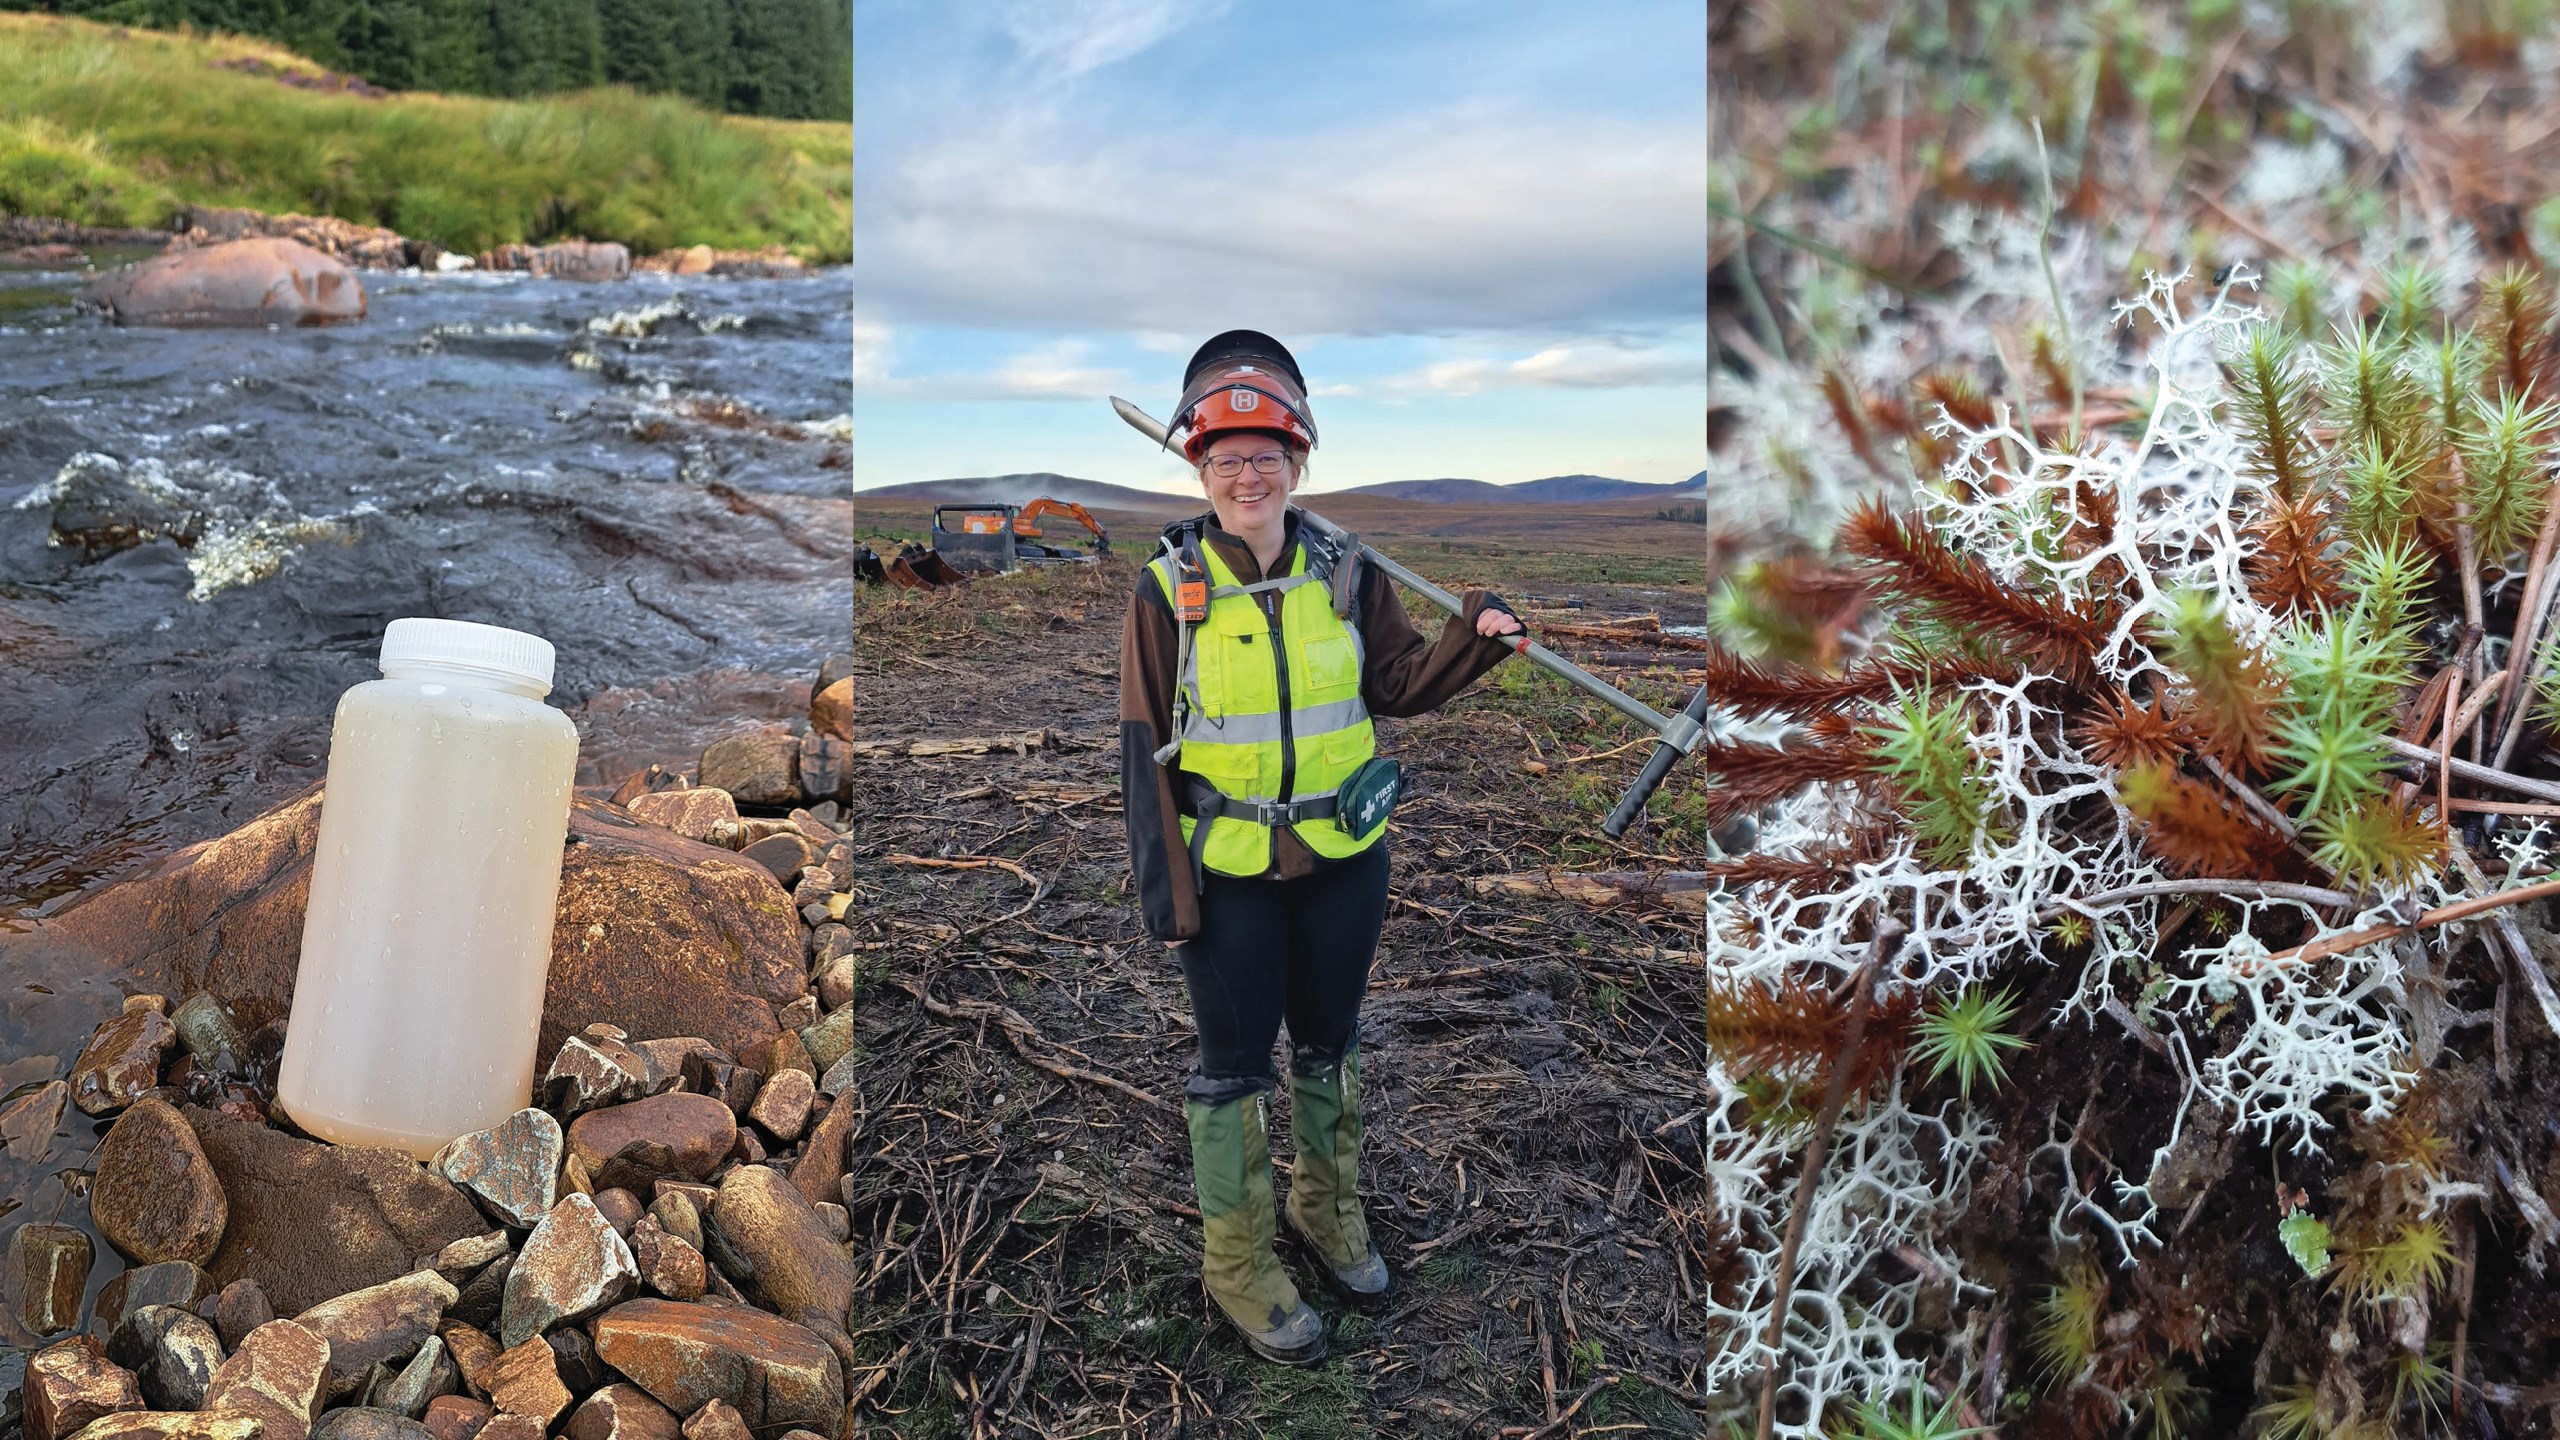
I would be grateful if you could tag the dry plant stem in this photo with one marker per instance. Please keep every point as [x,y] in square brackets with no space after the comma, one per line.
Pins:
[1835,1092]
[2479,700]
[2529,967]
[2465,770]
[2053,287]
[2441,915]
[2512,727]
[2503,807]
[2531,614]
[2262,889]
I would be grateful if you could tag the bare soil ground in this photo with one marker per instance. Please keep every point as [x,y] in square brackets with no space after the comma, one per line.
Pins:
[1020,1185]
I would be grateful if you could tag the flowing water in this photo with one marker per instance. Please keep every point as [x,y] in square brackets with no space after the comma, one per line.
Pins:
[204,532]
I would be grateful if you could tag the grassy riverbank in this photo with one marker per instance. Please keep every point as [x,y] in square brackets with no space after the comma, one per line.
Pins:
[114,127]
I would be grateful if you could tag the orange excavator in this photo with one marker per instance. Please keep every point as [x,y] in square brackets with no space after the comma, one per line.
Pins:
[1001,538]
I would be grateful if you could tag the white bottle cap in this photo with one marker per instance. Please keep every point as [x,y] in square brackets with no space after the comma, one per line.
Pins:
[492,650]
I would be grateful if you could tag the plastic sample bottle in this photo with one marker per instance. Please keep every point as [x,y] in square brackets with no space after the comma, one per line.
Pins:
[428,939]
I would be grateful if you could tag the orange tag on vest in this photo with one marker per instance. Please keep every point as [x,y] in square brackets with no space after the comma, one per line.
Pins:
[1191,601]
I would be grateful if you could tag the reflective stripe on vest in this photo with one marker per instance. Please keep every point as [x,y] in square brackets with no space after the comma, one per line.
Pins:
[1234,732]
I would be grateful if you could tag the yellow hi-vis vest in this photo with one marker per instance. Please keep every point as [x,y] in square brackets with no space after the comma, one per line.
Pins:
[1265,731]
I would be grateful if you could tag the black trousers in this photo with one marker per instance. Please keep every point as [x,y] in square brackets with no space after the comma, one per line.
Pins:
[1274,950]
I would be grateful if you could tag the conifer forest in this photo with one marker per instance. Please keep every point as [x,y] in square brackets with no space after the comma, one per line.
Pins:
[2137,770]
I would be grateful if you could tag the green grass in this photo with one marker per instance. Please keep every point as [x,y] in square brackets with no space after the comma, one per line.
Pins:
[119,128]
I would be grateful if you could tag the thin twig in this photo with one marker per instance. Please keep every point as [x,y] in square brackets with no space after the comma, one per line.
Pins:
[1888,939]
[2442,915]
[2486,775]
[2261,889]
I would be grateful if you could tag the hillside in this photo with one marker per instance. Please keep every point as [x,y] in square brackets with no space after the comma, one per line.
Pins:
[1555,490]
[783,58]
[114,128]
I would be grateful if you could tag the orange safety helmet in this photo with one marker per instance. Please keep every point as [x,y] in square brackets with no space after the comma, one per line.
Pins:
[1242,380]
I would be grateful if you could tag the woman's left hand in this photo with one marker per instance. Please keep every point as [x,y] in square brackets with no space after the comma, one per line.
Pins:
[1492,621]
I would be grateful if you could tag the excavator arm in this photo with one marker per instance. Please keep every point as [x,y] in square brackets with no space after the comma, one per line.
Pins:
[1026,523]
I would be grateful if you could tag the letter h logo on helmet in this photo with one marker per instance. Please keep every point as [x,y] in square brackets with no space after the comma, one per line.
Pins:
[1242,399]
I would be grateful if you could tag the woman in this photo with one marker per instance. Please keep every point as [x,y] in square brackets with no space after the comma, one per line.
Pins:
[1255,652]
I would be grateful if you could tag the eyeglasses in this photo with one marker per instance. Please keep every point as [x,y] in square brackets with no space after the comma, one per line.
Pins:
[1228,467]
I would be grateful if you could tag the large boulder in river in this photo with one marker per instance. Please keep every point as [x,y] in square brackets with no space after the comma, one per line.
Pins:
[239,282]
[566,260]
[657,934]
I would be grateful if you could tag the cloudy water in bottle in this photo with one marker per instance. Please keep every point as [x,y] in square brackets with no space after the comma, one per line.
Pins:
[428,939]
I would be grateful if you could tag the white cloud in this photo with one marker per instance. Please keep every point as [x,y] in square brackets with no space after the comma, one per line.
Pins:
[1582,366]
[870,352]
[1444,223]
[1057,373]
[1070,37]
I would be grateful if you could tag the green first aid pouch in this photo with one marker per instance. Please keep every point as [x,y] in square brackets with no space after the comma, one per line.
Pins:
[1368,796]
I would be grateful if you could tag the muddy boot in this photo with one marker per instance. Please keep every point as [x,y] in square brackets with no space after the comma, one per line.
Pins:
[1231,1168]
[1324,1194]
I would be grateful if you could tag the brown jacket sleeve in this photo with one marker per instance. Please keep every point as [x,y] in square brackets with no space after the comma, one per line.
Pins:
[1159,867]
[1405,675]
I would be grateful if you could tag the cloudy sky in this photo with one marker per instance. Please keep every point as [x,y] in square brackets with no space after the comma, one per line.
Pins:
[1480,227]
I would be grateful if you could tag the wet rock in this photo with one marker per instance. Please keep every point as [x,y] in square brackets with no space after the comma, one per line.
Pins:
[822,1161]
[583,260]
[382,1323]
[842,1076]
[574,1356]
[213,1036]
[462,1259]
[364,1422]
[831,1039]
[798,1265]
[679,1215]
[653,932]
[457,1417]
[826,767]
[241,283]
[831,710]
[667,1059]
[785,855]
[759,768]
[312,1222]
[172,1425]
[572,1265]
[696,814]
[44,1273]
[782,1052]
[782,1107]
[484,1295]
[172,1352]
[171,1282]
[622,1411]
[240,1309]
[594,1069]
[430,1373]
[668,1265]
[73,1383]
[620,1208]
[156,1197]
[279,1373]
[687,1355]
[732,1085]
[693,1131]
[13,1388]
[526,1381]
[474,1353]
[504,1426]
[513,1167]
[30,1124]
[122,1059]
[839,1220]
[717,1420]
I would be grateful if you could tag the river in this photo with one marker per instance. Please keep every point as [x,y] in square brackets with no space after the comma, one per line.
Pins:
[204,532]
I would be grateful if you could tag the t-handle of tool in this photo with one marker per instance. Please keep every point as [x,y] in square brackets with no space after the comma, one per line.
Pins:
[1665,755]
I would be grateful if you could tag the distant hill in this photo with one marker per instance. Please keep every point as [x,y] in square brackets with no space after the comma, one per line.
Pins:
[1554,490]
[1020,489]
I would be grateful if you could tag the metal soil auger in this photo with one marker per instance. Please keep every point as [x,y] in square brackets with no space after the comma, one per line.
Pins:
[1675,735]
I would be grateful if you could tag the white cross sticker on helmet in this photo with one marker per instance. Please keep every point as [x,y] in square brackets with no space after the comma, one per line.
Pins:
[1244,399]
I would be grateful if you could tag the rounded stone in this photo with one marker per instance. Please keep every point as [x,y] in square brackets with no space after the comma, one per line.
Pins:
[157,1197]
[696,1131]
